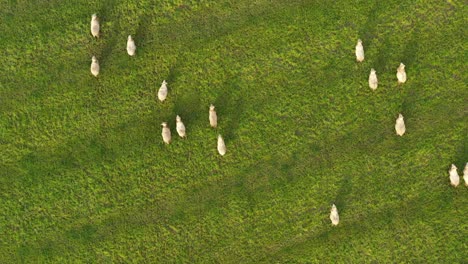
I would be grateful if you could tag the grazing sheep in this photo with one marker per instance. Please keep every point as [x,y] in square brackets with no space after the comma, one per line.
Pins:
[166,133]
[131,47]
[400,125]
[162,93]
[180,127]
[213,117]
[221,146]
[454,178]
[401,74]
[373,82]
[334,217]
[465,174]
[359,51]
[94,66]
[95,26]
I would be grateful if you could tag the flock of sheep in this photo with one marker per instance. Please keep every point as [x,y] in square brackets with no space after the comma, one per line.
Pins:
[162,93]
[400,127]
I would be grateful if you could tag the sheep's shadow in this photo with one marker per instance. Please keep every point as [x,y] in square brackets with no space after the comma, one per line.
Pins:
[110,40]
[411,49]
[368,31]
[187,104]
[346,187]
[230,108]
[143,30]
[460,158]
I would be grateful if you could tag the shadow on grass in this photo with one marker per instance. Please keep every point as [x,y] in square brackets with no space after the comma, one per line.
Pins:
[187,105]
[368,31]
[381,64]
[343,193]
[230,108]
[408,57]
[251,183]
[143,30]
[365,225]
[461,156]
[189,108]
[110,40]
[410,51]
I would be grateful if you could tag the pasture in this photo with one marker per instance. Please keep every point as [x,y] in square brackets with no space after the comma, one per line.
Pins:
[86,178]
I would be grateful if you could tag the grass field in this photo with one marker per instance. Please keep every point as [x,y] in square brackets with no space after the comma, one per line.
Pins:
[85,176]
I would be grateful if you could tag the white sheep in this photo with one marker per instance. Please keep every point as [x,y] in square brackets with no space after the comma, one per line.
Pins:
[401,74]
[454,178]
[334,217]
[465,174]
[162,93]
[373,82]
[221,146]
[166,133]
[213,117]
[94,66]
[95,26]
[180,127]
[359,51]
[400,127]
[131,47]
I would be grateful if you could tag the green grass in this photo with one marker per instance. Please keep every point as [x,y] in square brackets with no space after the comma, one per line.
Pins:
[85,176]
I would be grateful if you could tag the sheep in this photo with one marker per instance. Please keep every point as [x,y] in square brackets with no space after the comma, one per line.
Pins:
[221,146]
[454,178]
[465,174]
[95,26]
[334,217]
[400,127]
[166,133]
[213,117]
[373,82]
[359,51]
[131,47]
[401,74]
[94,66]
[162,93]
[180,127]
